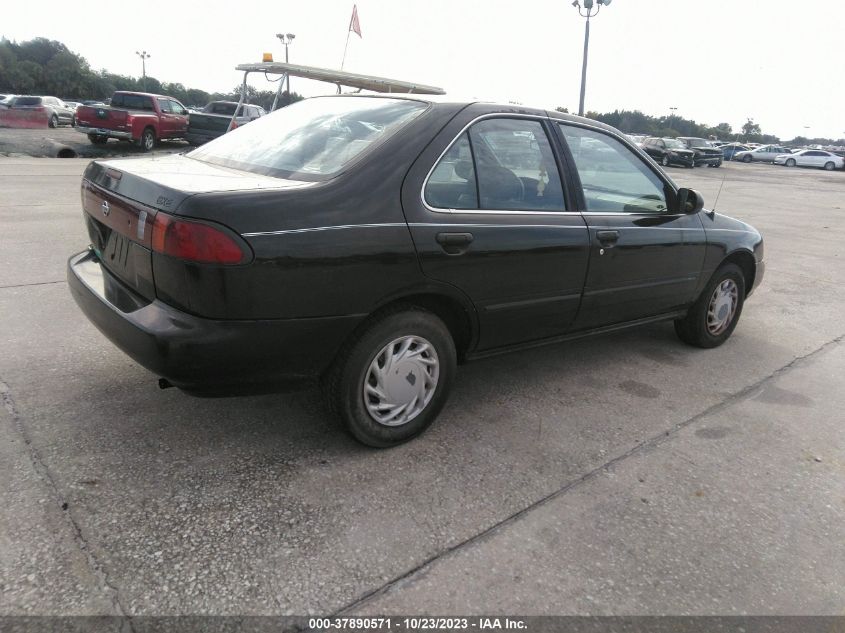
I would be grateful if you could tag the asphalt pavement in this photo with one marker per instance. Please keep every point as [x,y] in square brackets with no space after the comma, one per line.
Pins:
[628,474]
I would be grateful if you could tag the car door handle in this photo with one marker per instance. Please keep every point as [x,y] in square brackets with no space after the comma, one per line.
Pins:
[607,238]
[454,243]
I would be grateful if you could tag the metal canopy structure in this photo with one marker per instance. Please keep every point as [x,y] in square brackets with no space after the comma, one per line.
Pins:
[341,78]
[337,77]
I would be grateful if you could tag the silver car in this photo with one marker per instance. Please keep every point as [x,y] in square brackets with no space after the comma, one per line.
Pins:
[762,154]
[56,110]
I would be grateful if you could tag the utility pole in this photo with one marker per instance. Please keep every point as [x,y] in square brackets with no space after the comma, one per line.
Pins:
[144,55]
[287,40]
[588,7]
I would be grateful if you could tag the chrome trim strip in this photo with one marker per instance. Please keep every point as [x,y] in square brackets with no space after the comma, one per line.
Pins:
[501,226]
[324,228]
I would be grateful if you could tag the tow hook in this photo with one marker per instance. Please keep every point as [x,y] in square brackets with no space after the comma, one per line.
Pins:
[164,383]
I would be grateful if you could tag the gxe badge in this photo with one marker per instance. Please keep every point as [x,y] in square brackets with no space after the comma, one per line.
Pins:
[105,207]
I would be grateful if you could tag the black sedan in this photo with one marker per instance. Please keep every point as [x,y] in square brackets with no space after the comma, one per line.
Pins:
[669,151]
[374,243]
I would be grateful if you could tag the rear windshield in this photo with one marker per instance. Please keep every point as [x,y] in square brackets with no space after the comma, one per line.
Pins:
[311,139]
[698,142]
[222,108]
[27,101]
[132,102]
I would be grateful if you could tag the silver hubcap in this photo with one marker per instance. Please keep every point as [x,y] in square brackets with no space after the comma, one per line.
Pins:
[401,380]
[148,141]
[722,308]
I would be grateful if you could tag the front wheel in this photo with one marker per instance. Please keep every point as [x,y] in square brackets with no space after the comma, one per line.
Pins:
[713,317]
[390,383]
[665,161]
[790,162]
[746,159]
[96,139]
[54,121]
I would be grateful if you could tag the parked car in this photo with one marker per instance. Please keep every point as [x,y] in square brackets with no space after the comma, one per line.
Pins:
[762,154]
[705,152]
[729,150]
[215,118]
[669,151]
[6,101]
[811,158]
[138,117]
[54,109]
[375,242]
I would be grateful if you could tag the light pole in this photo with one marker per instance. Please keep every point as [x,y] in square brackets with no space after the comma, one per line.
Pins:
[287,40]
[144,55]
[672,109]
[588,7]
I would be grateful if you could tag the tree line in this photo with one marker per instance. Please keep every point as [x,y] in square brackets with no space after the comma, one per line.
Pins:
[47,67]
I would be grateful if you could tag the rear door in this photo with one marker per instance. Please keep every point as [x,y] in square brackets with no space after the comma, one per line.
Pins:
[489,215]
[645,260]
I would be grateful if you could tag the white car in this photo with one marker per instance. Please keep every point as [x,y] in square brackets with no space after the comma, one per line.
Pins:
[811,158]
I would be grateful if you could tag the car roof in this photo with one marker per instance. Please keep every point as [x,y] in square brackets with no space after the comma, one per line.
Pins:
[490,107]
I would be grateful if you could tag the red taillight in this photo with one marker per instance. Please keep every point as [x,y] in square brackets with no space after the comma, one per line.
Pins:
[194,241]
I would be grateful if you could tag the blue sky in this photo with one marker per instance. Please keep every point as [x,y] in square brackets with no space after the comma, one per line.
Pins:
[778,62]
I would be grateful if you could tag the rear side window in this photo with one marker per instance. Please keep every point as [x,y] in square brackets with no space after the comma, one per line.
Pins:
[501,164]
[27,101]
[311,139]
[452,184]
[614,179]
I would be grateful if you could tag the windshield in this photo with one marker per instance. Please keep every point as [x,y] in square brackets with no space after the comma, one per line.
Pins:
[311,139]
[673,144]
[699,142]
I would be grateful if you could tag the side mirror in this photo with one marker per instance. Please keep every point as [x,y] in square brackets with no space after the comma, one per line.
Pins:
[690,201]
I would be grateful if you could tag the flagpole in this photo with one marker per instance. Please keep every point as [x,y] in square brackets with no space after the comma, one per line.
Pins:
[348,33]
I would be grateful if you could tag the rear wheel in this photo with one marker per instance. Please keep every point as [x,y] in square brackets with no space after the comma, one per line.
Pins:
[719,164]
[54,121]
[829,166]
[713,317]
[73,121]
[391,382]
[790,162]
[148,140]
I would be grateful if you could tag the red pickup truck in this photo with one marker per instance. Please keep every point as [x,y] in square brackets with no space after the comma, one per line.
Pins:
[134,116]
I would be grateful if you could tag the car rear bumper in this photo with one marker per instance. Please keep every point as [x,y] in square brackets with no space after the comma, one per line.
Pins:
[198,138]
[99,131]
[204,355]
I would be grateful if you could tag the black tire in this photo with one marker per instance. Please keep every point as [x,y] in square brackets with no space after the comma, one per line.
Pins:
[73,121]
[829,166]
[148,140]
[747,158]
[790,162]
[665,160]
[693,329]
[54,121]
[344,388]
[96,139]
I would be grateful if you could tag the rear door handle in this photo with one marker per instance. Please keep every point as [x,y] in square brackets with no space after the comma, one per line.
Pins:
[607,238]
[454,243]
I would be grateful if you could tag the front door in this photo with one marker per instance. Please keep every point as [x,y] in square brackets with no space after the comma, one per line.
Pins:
[489,215]
[645,259]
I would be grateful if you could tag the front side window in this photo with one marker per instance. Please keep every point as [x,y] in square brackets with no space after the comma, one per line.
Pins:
[614,179]
[164,106]
[312,139]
